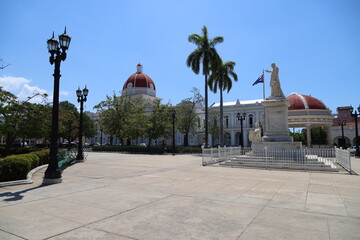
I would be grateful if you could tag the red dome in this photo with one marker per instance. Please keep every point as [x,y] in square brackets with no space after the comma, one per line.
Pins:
[139,80]
[301,101]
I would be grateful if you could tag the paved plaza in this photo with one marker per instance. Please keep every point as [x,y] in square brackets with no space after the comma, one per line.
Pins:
[128,196]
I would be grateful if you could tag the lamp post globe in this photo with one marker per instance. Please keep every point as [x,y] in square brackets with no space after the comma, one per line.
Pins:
[57,54]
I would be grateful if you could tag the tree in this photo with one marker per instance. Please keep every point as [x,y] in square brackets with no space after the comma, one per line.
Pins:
[318,135]
[186,116]
[20,118]
[158,121]
[68,121]
[122,117]
[111,116]
[135,121]
[220,78]
[206,55]
[89,127]
[3,64]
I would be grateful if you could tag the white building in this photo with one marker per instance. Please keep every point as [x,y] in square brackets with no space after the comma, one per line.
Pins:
[305,111]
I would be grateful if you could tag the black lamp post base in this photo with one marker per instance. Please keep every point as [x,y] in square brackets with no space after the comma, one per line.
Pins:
[80,158]
[52,177]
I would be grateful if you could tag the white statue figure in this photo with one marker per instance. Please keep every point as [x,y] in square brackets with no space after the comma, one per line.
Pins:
[255,135]
[276,91]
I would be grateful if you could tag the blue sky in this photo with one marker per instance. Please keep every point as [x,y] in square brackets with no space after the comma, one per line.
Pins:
[315,44]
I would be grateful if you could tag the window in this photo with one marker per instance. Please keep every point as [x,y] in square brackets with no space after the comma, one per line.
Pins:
[251,120]
[226,122]
[129,85]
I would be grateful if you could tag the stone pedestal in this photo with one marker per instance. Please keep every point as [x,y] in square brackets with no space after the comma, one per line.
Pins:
[276,127]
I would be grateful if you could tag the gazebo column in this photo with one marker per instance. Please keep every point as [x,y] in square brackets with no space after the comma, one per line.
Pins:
[328,136]
[308,135]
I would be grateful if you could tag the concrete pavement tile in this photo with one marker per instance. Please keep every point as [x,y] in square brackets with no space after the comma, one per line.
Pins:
[8,236]
[251,201]
[349,191]
[260,193]
[88,233]
[344,226]
[328,200]
[289,199]
[259,232]
[318,208]
[343,237]
[320,188]
[76,212]
[29,193]
[31,224]
[116,200]
[353,208]
[286,204]
[182,218]
[286,218]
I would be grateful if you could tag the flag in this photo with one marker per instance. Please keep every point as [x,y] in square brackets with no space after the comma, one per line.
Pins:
[259,80]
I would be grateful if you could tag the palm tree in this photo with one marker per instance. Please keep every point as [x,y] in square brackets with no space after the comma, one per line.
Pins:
[204,54]
[220,78]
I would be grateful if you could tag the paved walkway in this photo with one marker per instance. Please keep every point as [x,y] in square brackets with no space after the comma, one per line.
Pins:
[122,196]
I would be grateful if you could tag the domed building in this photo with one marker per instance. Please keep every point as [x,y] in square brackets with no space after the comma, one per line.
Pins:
[307,111]
[140,84]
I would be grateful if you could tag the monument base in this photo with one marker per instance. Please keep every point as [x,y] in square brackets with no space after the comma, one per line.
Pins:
[277,138]
[279,146]
[281,150]
[276,120]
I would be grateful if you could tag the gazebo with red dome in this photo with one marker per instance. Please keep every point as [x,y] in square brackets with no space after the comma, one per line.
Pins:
[307,111]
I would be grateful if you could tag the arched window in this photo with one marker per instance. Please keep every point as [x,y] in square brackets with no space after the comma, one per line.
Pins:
[226,122]
[251,120]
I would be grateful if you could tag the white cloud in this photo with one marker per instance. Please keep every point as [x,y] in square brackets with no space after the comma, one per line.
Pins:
[21,88]
[28,91]
[10,83]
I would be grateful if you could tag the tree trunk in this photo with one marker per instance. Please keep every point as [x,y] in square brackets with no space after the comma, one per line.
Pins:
[221,120]
[206,112]
[9,141]
[186,137]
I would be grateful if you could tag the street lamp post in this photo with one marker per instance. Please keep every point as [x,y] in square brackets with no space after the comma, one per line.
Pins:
[241,118]
[82,97]
[173,114]
[342,124]
[57,54]
[355,115]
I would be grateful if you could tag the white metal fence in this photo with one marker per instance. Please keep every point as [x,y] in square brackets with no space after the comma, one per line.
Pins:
[343,158]
[307,158]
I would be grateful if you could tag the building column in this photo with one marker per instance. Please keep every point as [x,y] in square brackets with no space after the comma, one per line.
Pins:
[232,134]
[308,135]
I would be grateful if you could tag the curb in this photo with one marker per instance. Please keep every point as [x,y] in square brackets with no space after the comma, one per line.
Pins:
[28,179]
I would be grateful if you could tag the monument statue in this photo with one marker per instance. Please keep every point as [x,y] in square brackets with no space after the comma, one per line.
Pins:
[276,91]
[256,134]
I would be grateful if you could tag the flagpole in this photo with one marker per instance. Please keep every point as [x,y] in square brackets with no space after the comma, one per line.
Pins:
[263,85]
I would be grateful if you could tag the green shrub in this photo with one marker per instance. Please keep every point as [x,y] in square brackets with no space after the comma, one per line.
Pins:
[151,149]
[43,156]
[16,167]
